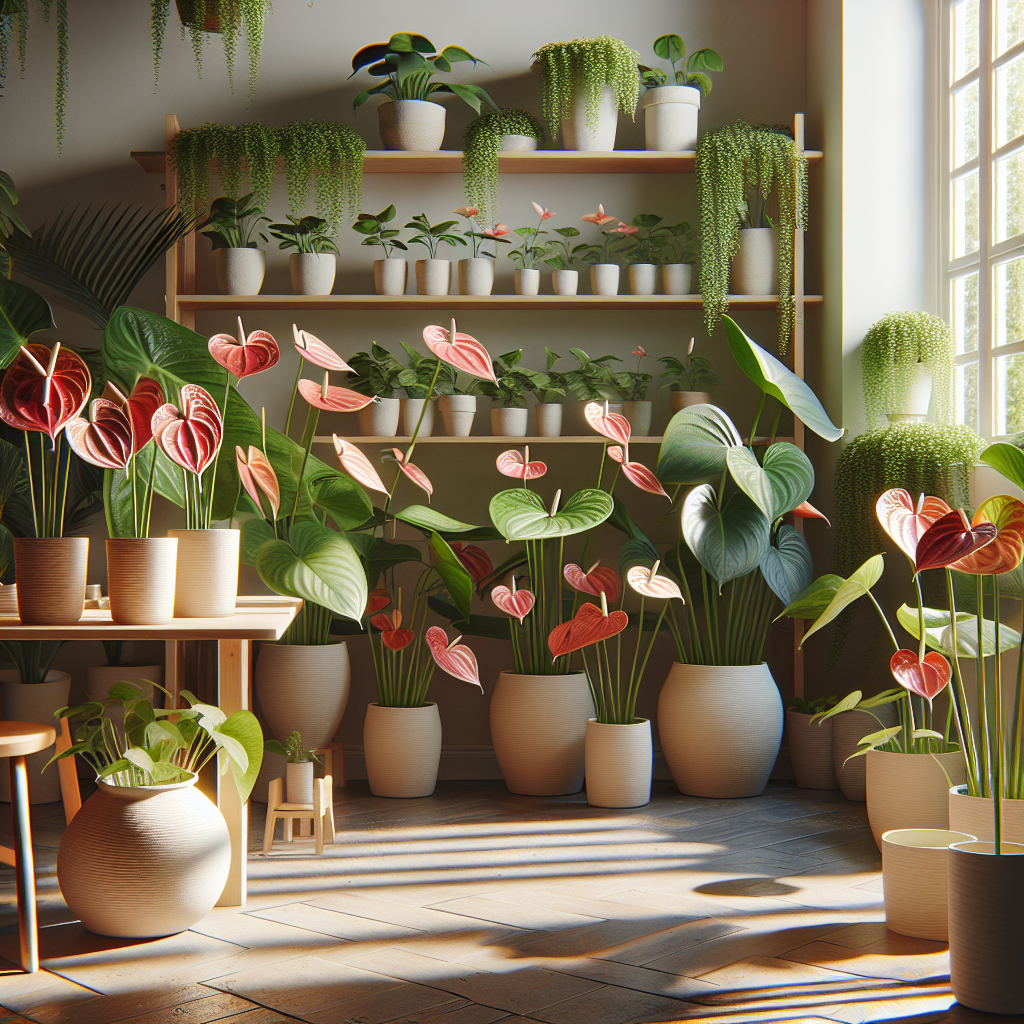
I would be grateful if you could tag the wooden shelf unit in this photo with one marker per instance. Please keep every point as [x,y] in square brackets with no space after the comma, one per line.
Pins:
[506,440]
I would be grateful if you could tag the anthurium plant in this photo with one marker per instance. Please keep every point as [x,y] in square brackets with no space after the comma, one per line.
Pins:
[478,236]
[633,384]
[511,381]
[530,252]
[304,234]
[691,373]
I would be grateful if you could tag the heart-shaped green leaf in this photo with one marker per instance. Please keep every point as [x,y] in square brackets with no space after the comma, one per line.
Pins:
[254,532]
[23,312]
[244,729]
[637,552]
[426,518]
[457,580]
[938,635]
[751,479]
[856,586]
[788,566]
[379,555]
[791,475]
[728,542]
[696,442]
[519,514]
[814,599]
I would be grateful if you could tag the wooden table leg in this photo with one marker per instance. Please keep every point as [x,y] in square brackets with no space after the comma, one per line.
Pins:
[24,867]
[235,672]
[174,671]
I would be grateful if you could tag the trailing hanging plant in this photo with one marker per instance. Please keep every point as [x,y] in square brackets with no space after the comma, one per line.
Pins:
[482,144]
[585,66]
[738,167]
[889,356]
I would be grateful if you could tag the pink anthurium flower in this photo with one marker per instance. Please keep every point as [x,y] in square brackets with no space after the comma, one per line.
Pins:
[805,510]
[357,465]
[639,352]
[462,351]
[590,626]
[598,579]
[608,424]
[105,438]
[637,473]
[543,212]
[313,350]
[466,211]
[191,436]
[517,603]
[247,354]
[44,389]
[257,474]
[624,229]
[518,466]
[331,398]
[497,230]
[648,583]
[454,658]
[927,677]
[414,473]
[600,218]
[906,522]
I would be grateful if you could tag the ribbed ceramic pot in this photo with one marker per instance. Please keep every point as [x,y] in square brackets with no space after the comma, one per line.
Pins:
[9,599]
[577,133]
[312,273]
[303,688]
[458,413]
[476,275]
[411,410]
[527,281]
[720,728]
[402,747]
[604,278]
[619,764]
[848,728]
[986,926]
[413,125]
[206,582]
[539,729]
[34,702]
[380,418]
[141,862]
[548,416]
[565,282]
[684,399]
[517,143]
[639,415]
[140,579]
[910,790]
[973,814]
[239,271]
[433,277]
[51,574]
[810,751]
[914,880]
[676,278]
[755,268]
[509,421]
[670,118]
[298,782]
[390,275]
[643,278]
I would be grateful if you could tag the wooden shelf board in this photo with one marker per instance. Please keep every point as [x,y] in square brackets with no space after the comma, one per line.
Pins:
[514,442]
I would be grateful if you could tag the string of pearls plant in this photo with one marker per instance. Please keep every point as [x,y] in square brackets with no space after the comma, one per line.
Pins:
[481,145]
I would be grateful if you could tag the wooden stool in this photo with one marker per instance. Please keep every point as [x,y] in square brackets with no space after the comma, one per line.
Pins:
[321,811]
[16,740]
[334,762]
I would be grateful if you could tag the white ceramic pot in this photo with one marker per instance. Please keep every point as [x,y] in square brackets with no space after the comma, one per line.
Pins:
[670,118]
[578,134]
[639,416]
[604,279]
[51,573]
[565,282]
[34,702]
[619,763]
[919,396]
[549,419]
[676,278]
[415,125]
[140,579]
[518,143]
[910,790]
[810,751]
[239,271]
[402,747]
[755,268]
[539,728]
[720,728]
[527,281]
[684,399]
[9,599]
[643,278]
[390,276]
[986,926]
[411,410]
[144,861]
[848,728]
[380,418]
[509,421]
[476,275]
[458,412]
[206,582]
[973,814]
[914,880]
[312,273]
[298,782]
[303,689]
[433,277]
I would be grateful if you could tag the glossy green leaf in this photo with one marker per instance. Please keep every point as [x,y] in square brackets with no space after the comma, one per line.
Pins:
[244,729]
[637,552]
[254,532]
[746,471]
[1007,459]
[848,703]
[457,580]
[379,555]
[938,635]
[814,599]
[117,495]
[855,587]
[426,518]
[875,740]
[791,476]
[669,47]
[728,542]
[788,567]
[339,496]
[696,444]
[520,514]
[23,312]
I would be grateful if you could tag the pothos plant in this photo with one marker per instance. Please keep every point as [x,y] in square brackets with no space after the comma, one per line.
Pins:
[481,145]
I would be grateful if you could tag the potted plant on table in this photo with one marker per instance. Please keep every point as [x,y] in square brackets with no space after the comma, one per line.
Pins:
[604,274]
[509,388]
[565,280]
[810,742]
[376,375]
[391,273]
[433,276]
[299,770]
[527,255]
[547,411]
[476,274]
[688,379]
[231,226]
[313,264]
[494,132]
[633,385]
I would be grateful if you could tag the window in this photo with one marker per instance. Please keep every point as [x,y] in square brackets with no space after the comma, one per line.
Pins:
[982,43]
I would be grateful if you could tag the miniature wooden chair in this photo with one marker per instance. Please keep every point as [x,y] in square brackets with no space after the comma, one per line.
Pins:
[320,811]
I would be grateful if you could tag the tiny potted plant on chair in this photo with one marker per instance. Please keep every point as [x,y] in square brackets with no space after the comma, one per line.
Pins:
[565,279]
[633,385]
[527,255]
[604,274]
[390,274]
[299,770]
[234,229]
[376,374]
[676,252]
[476,273]
[689,379]
[548,409]
[313,264]
[433,276]
[509,419]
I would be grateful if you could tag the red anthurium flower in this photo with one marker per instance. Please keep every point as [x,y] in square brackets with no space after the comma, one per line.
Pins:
[105,438]
[608,424]
[639,352]
[333,399]
[379,598]
[147,396]
[904,521]
[648,583]
[950,538]
[927,678]
[600,218]
[454,658]
[462,351]
[357,465]
[1006,514]
[313,350]
[414,473]
[590,626]
[247,354]
[599,579]
[497,230]
[805,510]
[517,603]
[44,389]
[189,437]
[637,473]
[543,212]
[475,560]
[466,211]
[518,466]
[624,229]
[392,636]
[257,474]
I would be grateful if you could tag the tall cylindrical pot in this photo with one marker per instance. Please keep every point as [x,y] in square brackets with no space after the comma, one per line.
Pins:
[670,118]
[476,275]
[433,277]
[380,418]
[411,410]
[578,133]
[549,419]
[415,125]
[312,273]
[973,814]
[755,268]
[604,278]
[51,574]
[810,751]
[239,271]
[643,278]
[619,764]
[527,281]
[565,282]
[539,728]
[639,416]
[517,143]
[206,581]
[676,278]
[145,861]
[509,421]
[684,399]
[848,728]
[402,747]
[298,782]
[720,728]
[34,702]
[140,579]
[390,275]
[458,412]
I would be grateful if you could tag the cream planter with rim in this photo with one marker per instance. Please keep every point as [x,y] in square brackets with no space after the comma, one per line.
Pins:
[619,764]
[298,782]
[720,728]
[684,399]
[517,143]
[402,747]
[565,282]
[476,275]
[380,418]
[239,271]
[51,573]
[140,579]
[578,134]
[604,278]
[848,728]
[755,268]
[412,125]
[458,412]
[144,861]
[206,582]
[527,281]
[390,276]
[973,814]
[312,273]
[548,416]
[677,278]
[670,118]
[509,421]
[639,416]
[34,702]
[539,728]
[643,278]
[411,409]
[810,750]
[433,277]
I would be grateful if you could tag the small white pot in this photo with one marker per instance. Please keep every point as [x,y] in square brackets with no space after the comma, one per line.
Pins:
[239,271]
[518,143]
[380,418]
[413,125]
[206,581]
[643,277]
[476,275]
[676,278]
[973,814]
[312,273]
[298,782]
[433,277]
[411,409]
[565,282]
[527,281]
[549,419]
[810,750]
[390,276]
[402,747]
[604,279]
[848,728]
[684,399]
[34,702]
[578,134]
[639,416]
[619,763]
[509,421]
[670,118]
[458,412]
[919,396]
[755,268]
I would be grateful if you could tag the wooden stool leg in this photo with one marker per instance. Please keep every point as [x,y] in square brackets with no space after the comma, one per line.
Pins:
[24,866]
[273,799]
[318,815]
[329,810]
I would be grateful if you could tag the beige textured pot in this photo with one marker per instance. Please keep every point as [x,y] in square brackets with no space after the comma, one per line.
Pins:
[684,399]
[140,579]
[910,790]
[414,125]
[206,583]
[517,143]
[604,278]
[239,271]
[639,416]
[380,418]
[433,277]
[9,599]
[720,728]
[51,573]
[476,275]
[34,702]
[411,409]
[676,278]
[986,926]
[973,814]
[144,861]
[527,281]
[303,689]
[643,278]
[914,880]
[402,747]
[565,282]
[755,268]
[312,273]
[577,133]
[509,421]
[810,751]
[619,763]
[458,413]
[539,728]
[298,782]
[847,730]
[548,416]
[670,118]
[390,276]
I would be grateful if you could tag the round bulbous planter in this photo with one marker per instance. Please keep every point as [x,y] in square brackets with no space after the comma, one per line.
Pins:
[578,133]
[380,418]
[548,416]
[239,271]
[433,277]
[140,579]
[457,412]
[527,281]
[390,275]
[643,278]
[509,421]
[411,409]
[810,751]
[206,581]
[619,764]
[414,125]
[973,814]
[720,728]
[51,574]
[539,729]
[670,118]
[9,599]
[684,399]
[565,282]
[755,268]
[604,278]
[476,275]
[298,782]
[402,747]
[303,689]
[144,861]
[312,273]
[518,143]
[986,926]
[847,730]
[34,702]
[639,416]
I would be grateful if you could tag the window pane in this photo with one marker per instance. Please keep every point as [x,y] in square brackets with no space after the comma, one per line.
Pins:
[1009,24]
[965,124]
[1009,392]
[1009,296]
[964,215]
[965,37]
[967,395]
[964,313]
[1009,101]
[1009,199]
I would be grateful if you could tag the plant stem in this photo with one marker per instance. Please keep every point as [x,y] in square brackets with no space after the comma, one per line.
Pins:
[31,486]
[291,403]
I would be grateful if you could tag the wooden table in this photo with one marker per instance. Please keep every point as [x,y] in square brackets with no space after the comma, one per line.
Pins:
[255,618]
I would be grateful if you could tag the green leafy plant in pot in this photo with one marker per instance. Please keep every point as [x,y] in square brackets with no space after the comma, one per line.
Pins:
[493,132]
[689,379]
[509,387]
[433,275]
[377,373]
[390,274]
[633,385]
[234,229]
[298,769]
[313,263]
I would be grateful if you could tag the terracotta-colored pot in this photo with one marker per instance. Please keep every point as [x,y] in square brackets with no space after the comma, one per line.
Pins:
[973,814]
[206,583]
[402,747]
[810,751]
[140,579]
[619,764]
[51,573]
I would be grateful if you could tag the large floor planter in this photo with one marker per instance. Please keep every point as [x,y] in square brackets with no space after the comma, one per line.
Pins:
[670,117]
[578,134]
[140,579]
[720,728]
[51,574]
[239,271]
[34,702]
[847,730]
[145,861]
[755,268]
[415,125]
[539,728]
[973,814]
[206,582]
[402,747]
[810,751]
[619,764]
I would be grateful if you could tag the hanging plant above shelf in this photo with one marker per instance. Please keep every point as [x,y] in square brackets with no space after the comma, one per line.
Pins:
[482,141]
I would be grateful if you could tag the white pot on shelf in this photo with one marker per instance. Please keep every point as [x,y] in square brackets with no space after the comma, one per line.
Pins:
[411,125]
[402,747]
[676,278]
[239,271]
[600,138]
[639,416]
[476,275]
[390,275]
[298,782]
[458,412]
[619,762]
[433,277]
[34,702]
[411,409]
[565,282]
[684,399]
[604,279]
[509,421]
[670,118]
[527,281]
[549,419]
[312,273]
[518,143]
[919,396]
[643,278]
[380,418]
[755,268]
